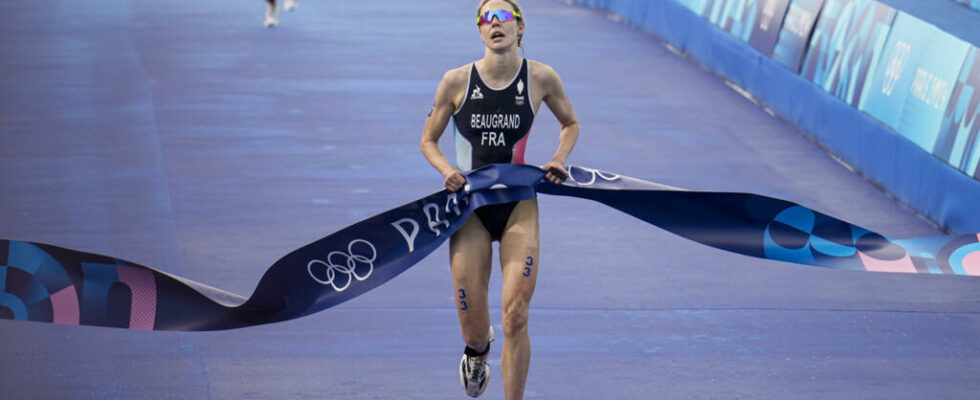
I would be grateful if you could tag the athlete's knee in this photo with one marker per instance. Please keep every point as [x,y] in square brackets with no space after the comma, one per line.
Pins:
[515,318]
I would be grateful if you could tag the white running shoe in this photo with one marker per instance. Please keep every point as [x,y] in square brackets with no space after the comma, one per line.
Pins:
[289,5]
[271,17]
[474,373]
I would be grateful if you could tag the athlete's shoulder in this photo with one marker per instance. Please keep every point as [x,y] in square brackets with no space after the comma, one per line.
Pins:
[538,65]
[457,77]
[541,72]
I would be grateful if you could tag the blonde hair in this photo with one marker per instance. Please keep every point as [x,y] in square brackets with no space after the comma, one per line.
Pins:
[517,8]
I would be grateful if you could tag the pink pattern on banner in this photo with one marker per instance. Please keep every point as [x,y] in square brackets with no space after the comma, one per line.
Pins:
[64,304]
[518,156]
[903,264]
[971,263]
[143,310]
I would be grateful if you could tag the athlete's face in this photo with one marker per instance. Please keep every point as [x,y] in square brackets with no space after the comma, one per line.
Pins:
[500,35]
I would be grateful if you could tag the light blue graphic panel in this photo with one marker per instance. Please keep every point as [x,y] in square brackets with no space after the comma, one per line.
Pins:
[884,96]
[959,136]
[740,17]
[846,44]
[765,32]
[933,79]
[697,6]
[795,32]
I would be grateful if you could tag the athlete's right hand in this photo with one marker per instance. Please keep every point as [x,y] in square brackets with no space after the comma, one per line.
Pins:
[455,181]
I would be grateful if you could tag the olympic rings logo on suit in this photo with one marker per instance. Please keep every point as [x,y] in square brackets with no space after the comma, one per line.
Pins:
[348,265]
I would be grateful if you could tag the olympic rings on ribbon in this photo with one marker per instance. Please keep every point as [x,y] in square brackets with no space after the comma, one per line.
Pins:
[348,267]
[594,174]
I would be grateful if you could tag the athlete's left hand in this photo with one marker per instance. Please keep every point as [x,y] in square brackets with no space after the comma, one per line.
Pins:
[553,177]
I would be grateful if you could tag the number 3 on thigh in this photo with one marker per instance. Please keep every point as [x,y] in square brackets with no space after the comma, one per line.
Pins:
[462,303]
[528,263]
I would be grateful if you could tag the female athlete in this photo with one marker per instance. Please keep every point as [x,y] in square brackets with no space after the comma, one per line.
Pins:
[492,103]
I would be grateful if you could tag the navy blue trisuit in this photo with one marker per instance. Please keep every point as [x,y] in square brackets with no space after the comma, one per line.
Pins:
[492,126]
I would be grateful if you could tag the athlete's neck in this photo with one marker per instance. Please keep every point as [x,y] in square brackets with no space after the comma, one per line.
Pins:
[499,67]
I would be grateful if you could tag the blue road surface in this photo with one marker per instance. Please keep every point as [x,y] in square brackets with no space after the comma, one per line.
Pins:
[184,136]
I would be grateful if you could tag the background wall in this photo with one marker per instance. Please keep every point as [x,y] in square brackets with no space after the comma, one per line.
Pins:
[892,95]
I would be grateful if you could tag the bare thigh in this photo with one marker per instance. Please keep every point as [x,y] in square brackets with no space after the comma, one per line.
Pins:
[519,251]
[470,252]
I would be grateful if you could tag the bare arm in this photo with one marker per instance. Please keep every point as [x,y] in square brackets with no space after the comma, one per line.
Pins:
[435,124]
[561,107]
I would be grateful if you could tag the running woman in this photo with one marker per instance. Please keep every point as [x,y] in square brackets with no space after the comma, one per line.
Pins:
[492,103]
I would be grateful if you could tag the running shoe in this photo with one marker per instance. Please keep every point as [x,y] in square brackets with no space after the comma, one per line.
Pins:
[271,18]
[289,5]
[474,373]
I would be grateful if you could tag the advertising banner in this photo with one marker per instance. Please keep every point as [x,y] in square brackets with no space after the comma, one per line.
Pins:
[737,17]
[958,142]
[756,22]
[846,44]
[933,79]
[888,85]
[715,10]
[765,32]
[794,35]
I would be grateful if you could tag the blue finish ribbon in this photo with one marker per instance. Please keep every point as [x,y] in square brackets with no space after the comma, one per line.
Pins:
[45,283]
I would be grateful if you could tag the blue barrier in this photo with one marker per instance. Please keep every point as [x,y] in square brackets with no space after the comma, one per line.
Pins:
[943,194]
